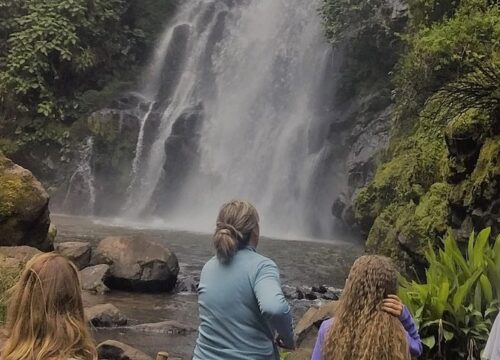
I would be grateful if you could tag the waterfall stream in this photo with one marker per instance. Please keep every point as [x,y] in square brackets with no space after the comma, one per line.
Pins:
[81,195]
[242,87]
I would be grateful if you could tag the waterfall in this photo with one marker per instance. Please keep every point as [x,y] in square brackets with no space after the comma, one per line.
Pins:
[138,150]
[243,88]
[81,195]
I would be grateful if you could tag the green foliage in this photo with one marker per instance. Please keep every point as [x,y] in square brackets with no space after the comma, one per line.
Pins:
[61,60]
[455,304]
[451,50]
[55,44]
[407,176]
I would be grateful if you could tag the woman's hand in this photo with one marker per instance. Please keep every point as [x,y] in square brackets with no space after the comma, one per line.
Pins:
[393,306]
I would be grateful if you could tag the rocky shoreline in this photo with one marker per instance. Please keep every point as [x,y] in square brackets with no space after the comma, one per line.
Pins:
[122,258]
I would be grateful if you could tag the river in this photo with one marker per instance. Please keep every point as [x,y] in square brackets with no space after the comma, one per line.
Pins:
[305,262]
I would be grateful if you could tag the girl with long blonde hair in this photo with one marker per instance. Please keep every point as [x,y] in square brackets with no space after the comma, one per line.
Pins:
[370,322]
[45,319]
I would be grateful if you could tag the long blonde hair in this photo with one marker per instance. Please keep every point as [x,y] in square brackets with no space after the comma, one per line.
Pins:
[235,223]
[45,318]
[361,330]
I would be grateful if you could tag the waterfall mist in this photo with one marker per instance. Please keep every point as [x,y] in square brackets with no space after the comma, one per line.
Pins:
[239,94]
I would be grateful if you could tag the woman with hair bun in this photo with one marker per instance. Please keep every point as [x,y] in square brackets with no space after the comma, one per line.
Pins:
[241,303]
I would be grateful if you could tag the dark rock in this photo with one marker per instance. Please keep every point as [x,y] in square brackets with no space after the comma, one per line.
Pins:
[138,265]
[78,252]
[181,150]
[24,208]
[187,284]
[319,289]
[115,350]
[94,277]
[290,292]
[105,315]
[169,327]
[175,59]
[306,293]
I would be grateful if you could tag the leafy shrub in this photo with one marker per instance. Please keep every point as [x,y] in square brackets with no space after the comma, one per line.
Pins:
[456,304]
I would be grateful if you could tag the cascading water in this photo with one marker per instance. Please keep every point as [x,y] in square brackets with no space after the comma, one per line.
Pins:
[244,94]
[81,195]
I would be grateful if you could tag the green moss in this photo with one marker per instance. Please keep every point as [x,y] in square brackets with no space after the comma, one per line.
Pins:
[429,220]
[16,189]
[472,123]
[486,175]
[416,164]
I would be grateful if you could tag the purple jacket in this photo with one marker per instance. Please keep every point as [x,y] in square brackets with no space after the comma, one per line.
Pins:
[406,319]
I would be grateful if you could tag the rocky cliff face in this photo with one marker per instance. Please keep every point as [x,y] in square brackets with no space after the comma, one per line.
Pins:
[361,128]
[24,208]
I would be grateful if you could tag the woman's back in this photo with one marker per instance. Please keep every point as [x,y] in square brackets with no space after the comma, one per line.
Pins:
[240,304]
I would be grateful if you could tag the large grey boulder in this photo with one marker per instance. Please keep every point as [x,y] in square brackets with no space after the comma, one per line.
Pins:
[115,350]
[21,254]
[78,252]
[137,265]
[105,315]
[93,278]
[24,208]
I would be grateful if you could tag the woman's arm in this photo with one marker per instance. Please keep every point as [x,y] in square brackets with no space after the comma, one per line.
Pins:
[395,307]
[320,341]
[412,334]
[272,302]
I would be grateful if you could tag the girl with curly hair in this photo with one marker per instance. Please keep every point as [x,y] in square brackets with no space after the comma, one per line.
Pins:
[371,323]
[45,317]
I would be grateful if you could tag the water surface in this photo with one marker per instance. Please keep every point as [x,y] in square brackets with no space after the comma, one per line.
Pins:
[301,263]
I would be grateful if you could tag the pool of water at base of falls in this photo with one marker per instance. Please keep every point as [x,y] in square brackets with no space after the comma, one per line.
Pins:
[308,263]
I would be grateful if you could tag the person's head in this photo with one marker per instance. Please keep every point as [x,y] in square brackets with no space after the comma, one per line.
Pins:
[237,226]
[45,318]
[361,330]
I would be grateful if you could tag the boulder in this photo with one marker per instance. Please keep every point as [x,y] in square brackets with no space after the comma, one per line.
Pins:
[105,315]
[24,208]
[78,252]
[21,254]
[115,350]
[170,327]
[93,278]
[307,328]
[137,265]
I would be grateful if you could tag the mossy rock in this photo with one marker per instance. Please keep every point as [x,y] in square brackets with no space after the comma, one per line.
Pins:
[403,179]
[428,222]
[402,232]
[24,212]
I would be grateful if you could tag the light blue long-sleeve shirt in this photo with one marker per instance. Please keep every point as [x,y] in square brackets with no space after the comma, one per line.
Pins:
[241,308]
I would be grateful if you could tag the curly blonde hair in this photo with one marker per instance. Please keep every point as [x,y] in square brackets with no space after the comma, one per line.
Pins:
[361,330]
[45,318]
